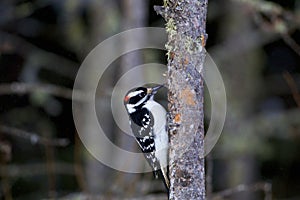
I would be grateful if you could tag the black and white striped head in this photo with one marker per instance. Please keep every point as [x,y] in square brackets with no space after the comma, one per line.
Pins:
[136,98]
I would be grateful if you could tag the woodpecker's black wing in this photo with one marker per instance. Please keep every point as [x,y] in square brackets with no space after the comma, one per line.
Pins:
[142,124]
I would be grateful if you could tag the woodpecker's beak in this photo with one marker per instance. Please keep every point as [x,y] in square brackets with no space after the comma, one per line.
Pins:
[153,91]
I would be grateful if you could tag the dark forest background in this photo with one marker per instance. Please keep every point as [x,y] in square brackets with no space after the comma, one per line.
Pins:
[255,44]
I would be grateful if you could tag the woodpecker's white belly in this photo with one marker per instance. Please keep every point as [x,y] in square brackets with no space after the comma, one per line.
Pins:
[161,136]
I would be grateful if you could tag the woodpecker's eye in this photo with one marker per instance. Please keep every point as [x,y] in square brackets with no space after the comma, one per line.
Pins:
[142,94]
[141,91]
[137,95]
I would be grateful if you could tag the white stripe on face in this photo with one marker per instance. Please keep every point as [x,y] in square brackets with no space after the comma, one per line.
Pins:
[132,94]
[130,108]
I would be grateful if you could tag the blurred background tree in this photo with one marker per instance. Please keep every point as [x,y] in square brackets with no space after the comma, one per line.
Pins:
[42,44]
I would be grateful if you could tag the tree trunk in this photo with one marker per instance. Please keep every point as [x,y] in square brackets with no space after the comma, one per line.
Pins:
[95,171]
[186,54]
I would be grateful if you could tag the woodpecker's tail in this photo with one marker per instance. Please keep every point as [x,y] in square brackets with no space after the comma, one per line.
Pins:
[163,173]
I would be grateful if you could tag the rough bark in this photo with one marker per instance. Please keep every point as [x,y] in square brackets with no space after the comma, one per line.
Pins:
[186,54]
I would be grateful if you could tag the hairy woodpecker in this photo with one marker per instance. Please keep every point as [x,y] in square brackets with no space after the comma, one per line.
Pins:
[147,119]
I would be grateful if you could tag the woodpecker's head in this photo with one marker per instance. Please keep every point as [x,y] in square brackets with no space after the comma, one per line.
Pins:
[137,97]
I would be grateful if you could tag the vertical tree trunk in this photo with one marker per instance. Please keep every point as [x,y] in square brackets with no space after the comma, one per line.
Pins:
[97,172]
[186,54]
[241,103]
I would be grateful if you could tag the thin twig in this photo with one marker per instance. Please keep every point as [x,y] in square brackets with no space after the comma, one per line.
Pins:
[293,87]
[278,20]
[33,137]
[291,43]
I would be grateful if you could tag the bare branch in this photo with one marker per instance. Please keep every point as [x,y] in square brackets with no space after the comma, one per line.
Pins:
[293,86]
[291,42]
[28,170]
[10,42]
[280,21]
[33,137]
[25,88]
